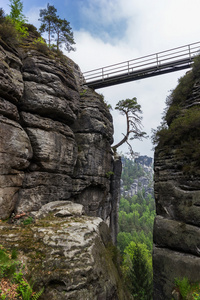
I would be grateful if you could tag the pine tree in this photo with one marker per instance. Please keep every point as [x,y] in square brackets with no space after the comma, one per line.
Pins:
[131,109]
[138,271]
[58,29]
[64,34]
[48,17]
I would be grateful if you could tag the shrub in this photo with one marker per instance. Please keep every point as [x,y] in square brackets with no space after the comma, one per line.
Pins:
[187,290]
[43,48]
[7,264]
[33,29]
[8,32]
[183,286]
[28,221]
[16,283]
[2,15]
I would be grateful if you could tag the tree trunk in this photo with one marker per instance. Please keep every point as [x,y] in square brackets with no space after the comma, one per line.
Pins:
[126,136]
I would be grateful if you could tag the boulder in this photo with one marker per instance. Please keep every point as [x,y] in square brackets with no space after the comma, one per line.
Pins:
[71,256]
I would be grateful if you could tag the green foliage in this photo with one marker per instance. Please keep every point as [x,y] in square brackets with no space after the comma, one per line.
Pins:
[83,92]
[16,11]
[12,27]
[28,221]
[107,105]
[187,290]
[181,122]
[2,15]
[39,40]
[17,17]
[181,127]
[14,254]
[182,92]
[7,264]
[135,237]
[47,17]
[136,218]
[184,286]
[58,29]
[40,45]
[131,109]
[25,289]
[138,271]
[184,133]
[10,268]
[196,296]
[64,34]
[18,277]
[33,29]
[130,171]
[8,32]
[22,29]
[109,174]
[3,296]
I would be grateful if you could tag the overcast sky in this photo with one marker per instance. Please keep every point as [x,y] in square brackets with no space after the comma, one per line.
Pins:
[112,31]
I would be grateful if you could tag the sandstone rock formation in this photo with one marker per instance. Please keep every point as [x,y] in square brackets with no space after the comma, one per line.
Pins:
[55,145]
[55,138]
[68,253]
[177,191]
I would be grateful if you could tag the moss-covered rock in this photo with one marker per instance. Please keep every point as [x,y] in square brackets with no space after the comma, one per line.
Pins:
[72,257]
[177,184]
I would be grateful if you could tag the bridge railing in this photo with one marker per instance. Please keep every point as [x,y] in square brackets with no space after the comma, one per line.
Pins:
[157,60]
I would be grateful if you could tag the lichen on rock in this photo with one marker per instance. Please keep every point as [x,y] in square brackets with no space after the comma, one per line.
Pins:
[71,256]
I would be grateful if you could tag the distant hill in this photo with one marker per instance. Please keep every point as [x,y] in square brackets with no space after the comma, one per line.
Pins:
[137,175]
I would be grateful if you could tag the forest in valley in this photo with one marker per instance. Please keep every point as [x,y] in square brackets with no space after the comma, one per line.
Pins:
[135,237]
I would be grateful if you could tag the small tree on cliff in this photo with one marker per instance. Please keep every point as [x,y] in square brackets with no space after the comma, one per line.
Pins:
[53,25]
[17,18]
[64,34]
[16,11]
[131,109]
[48,17]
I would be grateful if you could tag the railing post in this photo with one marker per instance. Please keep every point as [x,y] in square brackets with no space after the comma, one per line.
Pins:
[157,60]
[189,52]
[102,75]
[128,66]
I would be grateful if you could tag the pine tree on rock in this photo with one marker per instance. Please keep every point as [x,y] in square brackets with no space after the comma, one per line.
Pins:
[58,30]
[48,17]
[131,109]
[64,34]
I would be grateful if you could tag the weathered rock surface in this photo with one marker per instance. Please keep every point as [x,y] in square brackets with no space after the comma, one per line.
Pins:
[55,136]
[11,82]
[56,164]
[177,195]
[72,257]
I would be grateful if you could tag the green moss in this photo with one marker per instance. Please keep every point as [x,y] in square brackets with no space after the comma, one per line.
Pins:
[109,174]
[183,135]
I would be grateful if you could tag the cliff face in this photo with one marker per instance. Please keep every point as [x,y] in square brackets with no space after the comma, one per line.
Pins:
[177,191]
[55,145]
[55,139]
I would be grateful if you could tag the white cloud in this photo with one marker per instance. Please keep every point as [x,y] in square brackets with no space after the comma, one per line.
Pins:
[146,27]
[151,26]
[33,15]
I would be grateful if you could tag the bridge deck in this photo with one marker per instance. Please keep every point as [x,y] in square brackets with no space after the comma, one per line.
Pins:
[147,66]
